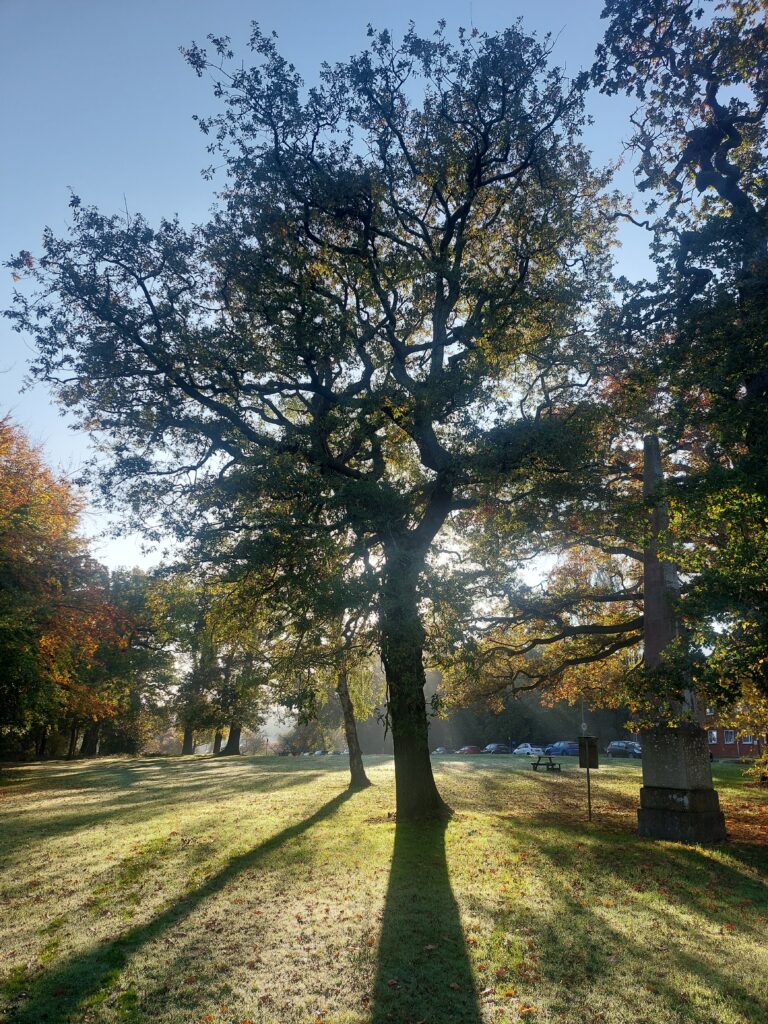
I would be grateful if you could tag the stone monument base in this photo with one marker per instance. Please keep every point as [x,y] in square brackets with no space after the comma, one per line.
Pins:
[678,801]
[680,815]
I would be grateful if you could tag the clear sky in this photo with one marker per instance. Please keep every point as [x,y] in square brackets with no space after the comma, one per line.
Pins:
[96,96]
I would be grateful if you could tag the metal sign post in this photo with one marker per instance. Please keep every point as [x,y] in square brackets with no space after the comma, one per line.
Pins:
[588,759]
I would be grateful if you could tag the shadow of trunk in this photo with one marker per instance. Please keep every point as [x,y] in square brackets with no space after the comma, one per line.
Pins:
[54,997]
[423,970]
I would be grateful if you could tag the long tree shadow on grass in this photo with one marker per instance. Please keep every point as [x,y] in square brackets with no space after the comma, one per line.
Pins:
[678,958]
[145,805]
[423,971]
[55,996]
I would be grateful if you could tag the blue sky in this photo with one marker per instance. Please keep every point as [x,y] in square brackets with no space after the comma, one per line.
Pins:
[96,96]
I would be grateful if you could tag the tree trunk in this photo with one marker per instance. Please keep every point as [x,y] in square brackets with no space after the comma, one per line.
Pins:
[217,742]
[90,744]
[402,641]
[358,778]
[42,742]
[233,740]
[72,742]
[188,744]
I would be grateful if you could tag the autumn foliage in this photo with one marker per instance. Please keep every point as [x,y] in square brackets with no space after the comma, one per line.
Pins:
[53,609]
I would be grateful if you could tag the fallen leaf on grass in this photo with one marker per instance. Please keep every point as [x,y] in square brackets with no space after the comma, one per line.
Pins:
[527,1009]
[393,983]
[455,986]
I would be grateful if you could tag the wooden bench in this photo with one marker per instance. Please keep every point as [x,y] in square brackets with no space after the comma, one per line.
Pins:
[546,761]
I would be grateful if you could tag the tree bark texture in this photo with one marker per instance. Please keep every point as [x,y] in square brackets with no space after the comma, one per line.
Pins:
[358,778]
[233,740]
[188,744]
[402,643]
[217,742]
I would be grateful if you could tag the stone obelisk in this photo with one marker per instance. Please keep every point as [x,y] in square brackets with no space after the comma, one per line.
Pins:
[678,800]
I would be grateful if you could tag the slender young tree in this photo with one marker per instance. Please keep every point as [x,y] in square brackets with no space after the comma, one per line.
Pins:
[385,325]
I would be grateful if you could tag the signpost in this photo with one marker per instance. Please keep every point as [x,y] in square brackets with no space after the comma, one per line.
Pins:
[588,759]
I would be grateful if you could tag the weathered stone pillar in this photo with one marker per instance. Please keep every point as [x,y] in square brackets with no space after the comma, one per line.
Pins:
[678,800]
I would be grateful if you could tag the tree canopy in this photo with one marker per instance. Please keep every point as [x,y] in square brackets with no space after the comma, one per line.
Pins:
[393,368]
[385,326]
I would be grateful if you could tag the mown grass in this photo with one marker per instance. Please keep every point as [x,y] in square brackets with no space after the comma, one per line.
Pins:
[223,891]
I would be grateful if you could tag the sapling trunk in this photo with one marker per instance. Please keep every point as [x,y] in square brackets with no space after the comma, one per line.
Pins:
[358,778]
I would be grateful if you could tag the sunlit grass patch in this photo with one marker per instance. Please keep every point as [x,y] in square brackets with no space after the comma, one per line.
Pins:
[258,889]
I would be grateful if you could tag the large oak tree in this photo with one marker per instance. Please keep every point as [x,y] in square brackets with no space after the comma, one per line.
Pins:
[384,327]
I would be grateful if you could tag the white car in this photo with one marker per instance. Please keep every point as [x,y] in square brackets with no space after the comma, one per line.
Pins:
[527,750]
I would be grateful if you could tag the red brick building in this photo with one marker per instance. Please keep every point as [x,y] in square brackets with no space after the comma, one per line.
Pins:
[730,743]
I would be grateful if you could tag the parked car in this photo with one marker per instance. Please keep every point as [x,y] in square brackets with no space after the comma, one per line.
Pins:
[320,753]
[563,748]
[624,748]
[525,749]
[496,748]
[469,750]
[442,750]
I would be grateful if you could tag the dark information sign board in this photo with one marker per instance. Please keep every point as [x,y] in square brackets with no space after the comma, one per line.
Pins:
[588,752]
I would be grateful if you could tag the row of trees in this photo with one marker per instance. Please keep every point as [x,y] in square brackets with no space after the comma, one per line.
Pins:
[55,606]
[99,661]
[394,367]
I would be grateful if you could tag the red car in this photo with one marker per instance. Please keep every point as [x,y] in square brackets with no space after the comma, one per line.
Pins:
[469,750]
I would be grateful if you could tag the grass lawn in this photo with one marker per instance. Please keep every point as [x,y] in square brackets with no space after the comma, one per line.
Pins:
[257,890]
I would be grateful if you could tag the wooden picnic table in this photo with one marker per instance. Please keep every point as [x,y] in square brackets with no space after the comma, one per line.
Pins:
[547,762]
